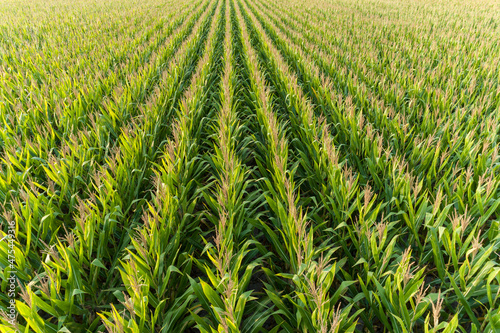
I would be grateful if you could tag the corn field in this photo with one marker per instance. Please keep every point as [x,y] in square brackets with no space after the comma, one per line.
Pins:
[250,166]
